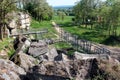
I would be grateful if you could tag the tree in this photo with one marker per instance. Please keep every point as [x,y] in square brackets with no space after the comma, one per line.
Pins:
[39,9]
[6,6]
[84,11]
[107,13]
[61,15]
[111,13]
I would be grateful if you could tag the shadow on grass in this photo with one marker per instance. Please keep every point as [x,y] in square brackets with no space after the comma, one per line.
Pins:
[112,40]
[90,35]
[67,24]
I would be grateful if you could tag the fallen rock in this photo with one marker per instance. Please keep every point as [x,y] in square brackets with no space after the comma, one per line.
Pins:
[10,71]
[38,48]
[3,54]
[25,61]
[51,55]
[61,70]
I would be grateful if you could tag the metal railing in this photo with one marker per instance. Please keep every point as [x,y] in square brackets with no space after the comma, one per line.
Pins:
[82,44]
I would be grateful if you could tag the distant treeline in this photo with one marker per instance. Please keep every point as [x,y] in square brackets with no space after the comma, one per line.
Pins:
[63,10]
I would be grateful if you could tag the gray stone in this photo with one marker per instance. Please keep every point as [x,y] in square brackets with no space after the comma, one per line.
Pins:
[3,54]
[62,70]
[38,48]
[10,71]
[27,61]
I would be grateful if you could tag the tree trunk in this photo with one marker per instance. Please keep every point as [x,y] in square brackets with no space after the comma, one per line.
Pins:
[91,25]
[109,29]
[86,25]
[1,32]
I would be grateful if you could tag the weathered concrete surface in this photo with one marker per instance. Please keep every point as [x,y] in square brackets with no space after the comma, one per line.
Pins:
[83,56]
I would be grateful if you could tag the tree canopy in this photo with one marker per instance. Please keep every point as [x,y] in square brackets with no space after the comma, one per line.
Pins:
[6,6]
[39,9]
[104,13]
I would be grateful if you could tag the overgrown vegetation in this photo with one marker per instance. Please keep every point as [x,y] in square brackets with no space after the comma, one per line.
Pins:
[7,46]
[96,34]
[39,9]
[105,14]
[44,25]
[6,6]
[62,45]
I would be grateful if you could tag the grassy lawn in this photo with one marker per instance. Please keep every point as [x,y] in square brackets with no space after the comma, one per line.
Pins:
[62,45]
[82,32]
[67,19]
[44,25]
[94,35]
[47,25]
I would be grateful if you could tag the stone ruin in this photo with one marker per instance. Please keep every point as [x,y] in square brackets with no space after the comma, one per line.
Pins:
[57,66]
[16,21]
[43,62]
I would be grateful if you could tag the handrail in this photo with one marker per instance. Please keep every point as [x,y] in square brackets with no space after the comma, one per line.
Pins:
[84,44]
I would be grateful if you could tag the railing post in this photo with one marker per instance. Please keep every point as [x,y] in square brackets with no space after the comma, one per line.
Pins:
[36,36]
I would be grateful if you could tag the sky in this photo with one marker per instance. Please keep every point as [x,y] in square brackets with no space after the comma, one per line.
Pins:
[61,2]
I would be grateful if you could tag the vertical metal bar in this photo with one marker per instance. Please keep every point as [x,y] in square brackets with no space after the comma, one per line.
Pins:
[36,36]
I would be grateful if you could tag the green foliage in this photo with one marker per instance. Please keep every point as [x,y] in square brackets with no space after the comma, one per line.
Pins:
[84,10]
[62,45]
[7,45]
[66,11]
[6,6]
[96,34]
[104,13]
[11,52]
[71,52]
[44,25]
[39,9]
[61,15]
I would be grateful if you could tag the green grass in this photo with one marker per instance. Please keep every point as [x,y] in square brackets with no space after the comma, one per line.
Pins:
[11,52]
[7,45]
[82,32]
[94,35]
[87,34]
[66,19]
[62,45]
[47,25]
[118,31]
[44,25]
